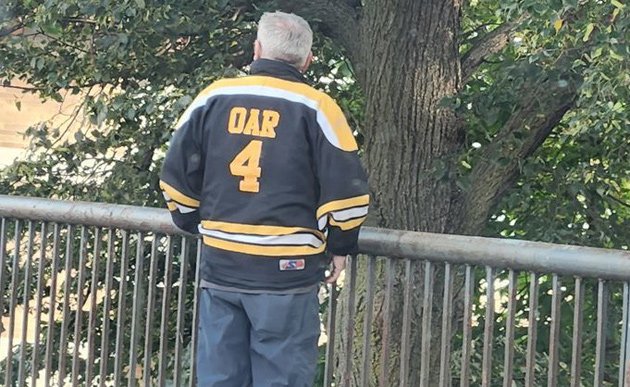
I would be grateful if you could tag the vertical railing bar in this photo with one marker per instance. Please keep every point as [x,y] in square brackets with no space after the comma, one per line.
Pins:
[12,304]
[78,320]
[65,318]
[166,298]
[138,295]
[554,335]
[38,302]
[107,304]
[427,312]
[576,348]
[181,299]
[510,323]
[406,326]
[25,302]
[195,322]
[447,311]
[624,349]
[52,308]
[387,322]
[532,331]
[3,258]
[600,346]
[469,283]
[330,332]
[89,367]
[122,310]
[3,262]
[367,323]
[148,331]
[349,329]
[488,334]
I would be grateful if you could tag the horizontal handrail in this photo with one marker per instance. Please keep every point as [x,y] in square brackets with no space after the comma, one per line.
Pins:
[495,252]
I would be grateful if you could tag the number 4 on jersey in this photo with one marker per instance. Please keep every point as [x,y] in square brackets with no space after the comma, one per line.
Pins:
[246,164]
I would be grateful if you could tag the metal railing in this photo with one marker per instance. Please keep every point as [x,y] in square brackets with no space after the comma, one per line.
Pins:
[101,294]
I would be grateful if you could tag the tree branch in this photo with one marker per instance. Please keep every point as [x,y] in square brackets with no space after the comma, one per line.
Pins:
[61,42]
[540,110]
[24,88]
[489,44]
[619,201]
[10,30]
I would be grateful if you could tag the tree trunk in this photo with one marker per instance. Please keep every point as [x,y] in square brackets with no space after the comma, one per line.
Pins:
[409,63]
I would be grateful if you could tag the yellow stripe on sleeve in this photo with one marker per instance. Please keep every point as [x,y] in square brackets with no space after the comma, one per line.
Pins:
[171,206]
[178,196]
[343,204]
[339,124]
[349,224]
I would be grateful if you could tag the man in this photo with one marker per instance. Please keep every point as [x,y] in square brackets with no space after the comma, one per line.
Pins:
[266,169]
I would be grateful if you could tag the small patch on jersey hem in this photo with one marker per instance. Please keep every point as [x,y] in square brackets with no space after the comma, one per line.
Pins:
[291,264]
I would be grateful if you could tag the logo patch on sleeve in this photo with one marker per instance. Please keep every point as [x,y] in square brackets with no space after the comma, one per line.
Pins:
[291,264]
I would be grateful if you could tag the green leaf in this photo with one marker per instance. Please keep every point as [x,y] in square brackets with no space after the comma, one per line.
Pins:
[101,116]
[617,4]
[588,32]
[615,56]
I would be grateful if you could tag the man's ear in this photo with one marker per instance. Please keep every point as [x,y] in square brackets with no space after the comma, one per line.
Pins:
[257,50]
[308,62]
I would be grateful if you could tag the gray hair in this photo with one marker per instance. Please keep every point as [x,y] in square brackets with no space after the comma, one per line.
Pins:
[286,37]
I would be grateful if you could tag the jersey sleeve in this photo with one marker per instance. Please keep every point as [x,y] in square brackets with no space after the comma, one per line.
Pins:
[181,177]
[344,198]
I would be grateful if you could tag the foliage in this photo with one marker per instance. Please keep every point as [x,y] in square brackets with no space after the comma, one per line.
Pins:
[575,188]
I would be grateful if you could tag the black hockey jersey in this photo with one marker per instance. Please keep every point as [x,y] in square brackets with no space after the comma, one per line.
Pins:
[266,168]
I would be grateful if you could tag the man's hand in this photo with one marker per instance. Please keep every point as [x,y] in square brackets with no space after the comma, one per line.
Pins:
[338,265]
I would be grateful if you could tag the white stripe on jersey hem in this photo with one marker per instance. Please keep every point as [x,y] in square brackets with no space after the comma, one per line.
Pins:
[267,91]
[351,213]
[288,240]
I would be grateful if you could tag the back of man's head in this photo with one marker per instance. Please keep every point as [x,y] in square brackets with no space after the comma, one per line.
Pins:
[286,37]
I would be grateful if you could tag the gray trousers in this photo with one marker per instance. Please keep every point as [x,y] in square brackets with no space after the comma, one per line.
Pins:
[259,340]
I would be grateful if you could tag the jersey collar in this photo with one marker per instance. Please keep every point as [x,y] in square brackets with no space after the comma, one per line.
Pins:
[277,69]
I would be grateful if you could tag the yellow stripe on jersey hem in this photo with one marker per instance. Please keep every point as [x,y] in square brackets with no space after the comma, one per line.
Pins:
[267,251]
[171,206]
[343,204]
[349,224]
[178,196]
[240,228]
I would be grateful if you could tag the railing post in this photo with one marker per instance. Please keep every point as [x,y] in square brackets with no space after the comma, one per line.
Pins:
[624,361]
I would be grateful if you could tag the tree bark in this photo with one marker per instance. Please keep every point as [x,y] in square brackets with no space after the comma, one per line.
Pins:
[491,43]
[409,63]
